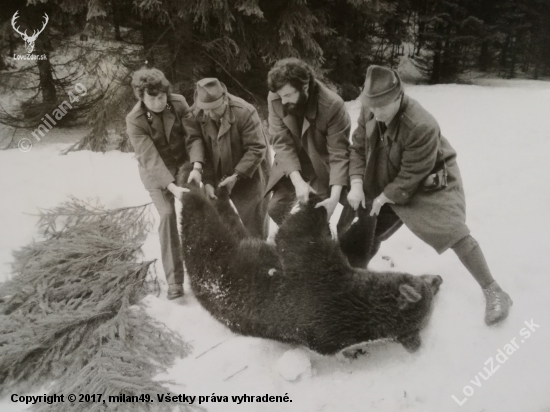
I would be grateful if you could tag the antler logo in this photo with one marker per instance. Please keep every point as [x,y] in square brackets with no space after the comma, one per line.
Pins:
[29,40]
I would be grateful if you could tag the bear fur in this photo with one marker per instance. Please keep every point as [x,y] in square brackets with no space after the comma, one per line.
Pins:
[356,236]
[302,290]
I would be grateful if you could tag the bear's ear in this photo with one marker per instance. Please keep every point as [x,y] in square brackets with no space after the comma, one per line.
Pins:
[408,295]
[411,342]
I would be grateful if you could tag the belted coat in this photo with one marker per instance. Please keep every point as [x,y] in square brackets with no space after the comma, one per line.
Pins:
[160,146]
[324,136]
[397,163]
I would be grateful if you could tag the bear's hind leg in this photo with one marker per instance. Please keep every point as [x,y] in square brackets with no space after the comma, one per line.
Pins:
[228,214]
[356,237]
[304,242]
[307,225]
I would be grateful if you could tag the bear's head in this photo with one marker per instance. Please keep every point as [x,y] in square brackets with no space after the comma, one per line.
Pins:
[415,303]
[417,289]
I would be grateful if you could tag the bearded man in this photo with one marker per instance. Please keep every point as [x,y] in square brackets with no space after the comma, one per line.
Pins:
[309,127]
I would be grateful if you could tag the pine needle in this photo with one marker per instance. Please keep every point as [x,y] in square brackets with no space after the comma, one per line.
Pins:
[72,313]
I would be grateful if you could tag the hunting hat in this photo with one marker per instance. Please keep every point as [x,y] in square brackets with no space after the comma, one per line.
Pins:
[209,93]
[382,86]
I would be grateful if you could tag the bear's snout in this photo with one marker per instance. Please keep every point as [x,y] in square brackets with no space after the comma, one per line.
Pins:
[434,281]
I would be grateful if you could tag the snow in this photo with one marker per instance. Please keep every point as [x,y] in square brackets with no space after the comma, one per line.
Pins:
[501,131]
[408,72]
[294,364]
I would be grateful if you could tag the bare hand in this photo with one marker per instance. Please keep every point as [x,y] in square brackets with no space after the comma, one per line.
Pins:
[356,196]
[178,192]
[302,191]
[229,182]
[329,204]
[378,203]
[195,177]
[210,191]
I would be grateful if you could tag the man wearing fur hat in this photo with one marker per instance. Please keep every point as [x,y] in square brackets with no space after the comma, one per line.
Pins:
[310,129]
[156,131]
[403,171]
[236,151]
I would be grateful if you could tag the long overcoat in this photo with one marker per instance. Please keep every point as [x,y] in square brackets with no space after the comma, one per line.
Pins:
[161,147]
[397,165]
[324,136]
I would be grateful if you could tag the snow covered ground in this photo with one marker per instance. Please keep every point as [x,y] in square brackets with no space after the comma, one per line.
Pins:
[501,131]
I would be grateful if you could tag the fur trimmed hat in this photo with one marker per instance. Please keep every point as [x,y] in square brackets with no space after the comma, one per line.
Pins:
[382,87]
[209,93]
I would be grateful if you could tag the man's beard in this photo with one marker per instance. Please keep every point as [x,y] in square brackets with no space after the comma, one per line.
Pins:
[299,108]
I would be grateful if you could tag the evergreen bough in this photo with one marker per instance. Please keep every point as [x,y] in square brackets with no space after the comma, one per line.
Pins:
[71,314]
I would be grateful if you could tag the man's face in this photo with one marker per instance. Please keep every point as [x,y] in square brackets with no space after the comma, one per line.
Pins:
[294,101]
[155,103]
[386,113]
[217,113]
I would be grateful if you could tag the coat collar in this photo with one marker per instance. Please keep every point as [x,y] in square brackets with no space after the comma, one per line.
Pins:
[393,128]
[139,108]
[168,119]
[313,99]
[168,116]
[210,126]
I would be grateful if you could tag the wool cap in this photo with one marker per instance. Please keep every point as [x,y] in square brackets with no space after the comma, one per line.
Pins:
[209,93]
[382,87]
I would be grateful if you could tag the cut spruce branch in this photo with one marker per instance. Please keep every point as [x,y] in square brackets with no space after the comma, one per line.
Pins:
[135,219]
[71,313]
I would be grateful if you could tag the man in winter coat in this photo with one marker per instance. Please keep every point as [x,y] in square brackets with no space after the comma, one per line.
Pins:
[406,172]
[156,131]
[310,130]
[236,151]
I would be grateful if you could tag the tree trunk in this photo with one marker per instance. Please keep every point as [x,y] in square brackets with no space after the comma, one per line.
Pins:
[49,94]
[421,29]
[513,53]
[11,41]
[45,72]
[147,34]
[537,60]
[504,51]
[484,59]
[436,65]
[116,19]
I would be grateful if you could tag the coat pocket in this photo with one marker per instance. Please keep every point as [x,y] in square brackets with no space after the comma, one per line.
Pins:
[437,179]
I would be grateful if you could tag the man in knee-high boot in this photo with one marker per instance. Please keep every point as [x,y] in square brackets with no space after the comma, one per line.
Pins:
[402,166]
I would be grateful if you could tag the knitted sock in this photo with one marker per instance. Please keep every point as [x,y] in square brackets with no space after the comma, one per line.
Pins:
[468,251]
